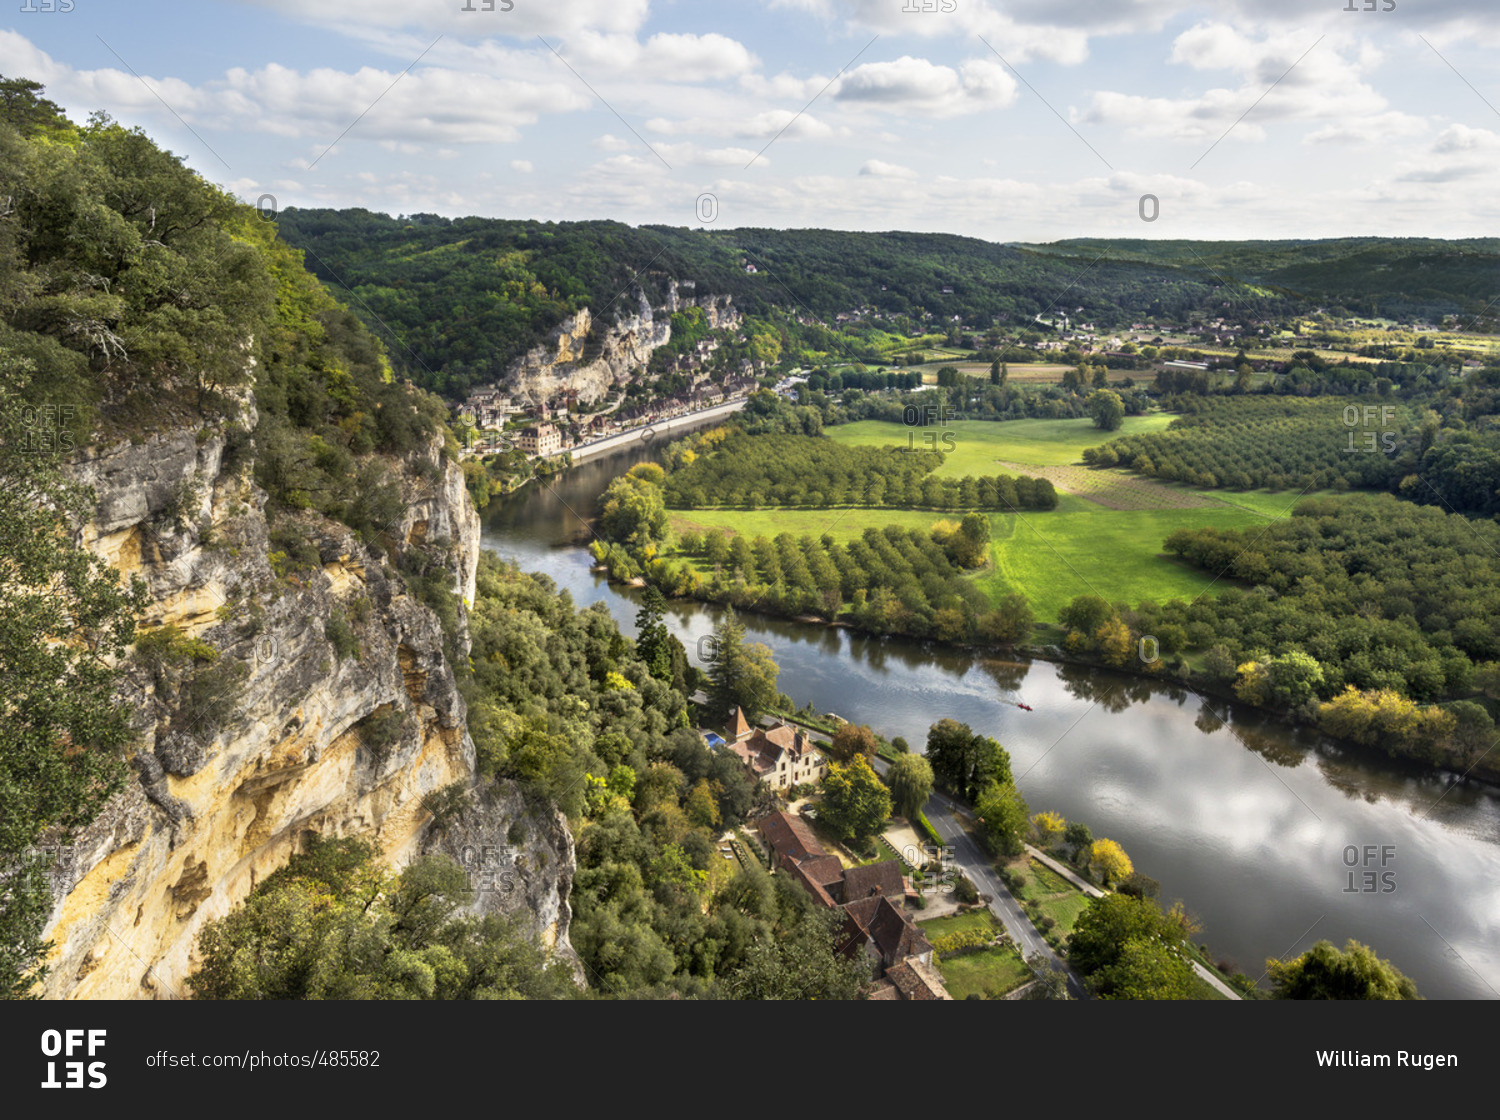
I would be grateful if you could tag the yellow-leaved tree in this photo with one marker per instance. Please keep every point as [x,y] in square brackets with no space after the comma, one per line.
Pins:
[1048,828]
[1111,860]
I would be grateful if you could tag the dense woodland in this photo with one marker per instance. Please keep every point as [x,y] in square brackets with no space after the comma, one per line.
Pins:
[1351,274]
[1369,616]
[563,703]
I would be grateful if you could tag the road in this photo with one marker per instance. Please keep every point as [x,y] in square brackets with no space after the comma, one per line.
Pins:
[942,813]
[659,427]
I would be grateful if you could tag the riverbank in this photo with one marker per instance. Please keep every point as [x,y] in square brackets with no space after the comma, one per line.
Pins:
[1250,825]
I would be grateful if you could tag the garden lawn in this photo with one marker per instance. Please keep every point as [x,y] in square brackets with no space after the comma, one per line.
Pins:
[990,973]
[1057,897]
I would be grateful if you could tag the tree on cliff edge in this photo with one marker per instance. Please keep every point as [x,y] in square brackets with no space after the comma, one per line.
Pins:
[64,617]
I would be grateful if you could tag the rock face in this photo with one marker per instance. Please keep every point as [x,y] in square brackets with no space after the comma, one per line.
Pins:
[562,365]
[519,859]
[287,733]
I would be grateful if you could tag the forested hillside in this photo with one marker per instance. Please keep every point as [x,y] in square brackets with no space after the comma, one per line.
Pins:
[1415,277]
[456,300]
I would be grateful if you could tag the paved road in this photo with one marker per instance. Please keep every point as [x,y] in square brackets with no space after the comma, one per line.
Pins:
[659,427]
[942,813]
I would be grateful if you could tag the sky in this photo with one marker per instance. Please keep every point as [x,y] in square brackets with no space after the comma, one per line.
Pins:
[1028,121]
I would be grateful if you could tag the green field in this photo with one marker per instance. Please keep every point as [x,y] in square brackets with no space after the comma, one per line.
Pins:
[1082,547]
[842,524]
[978,445]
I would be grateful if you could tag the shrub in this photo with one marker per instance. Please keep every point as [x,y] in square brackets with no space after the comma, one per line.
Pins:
[338,631]
[965,891]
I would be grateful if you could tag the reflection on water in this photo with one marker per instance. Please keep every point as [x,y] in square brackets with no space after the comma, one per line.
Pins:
[1215,801]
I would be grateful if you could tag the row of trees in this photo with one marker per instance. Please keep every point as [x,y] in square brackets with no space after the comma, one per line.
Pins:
[789,470]
[886,581]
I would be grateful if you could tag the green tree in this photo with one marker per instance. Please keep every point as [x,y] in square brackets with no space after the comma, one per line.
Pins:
[333,925]
[1110,923]
[634,512]
[1107,409]
[1078,837]
[1051,977]
[653,641]
[910,778]
[803,963]
[65,620]
[856,803]
[1146,969]
[1085,614]
[1001,811]
[740,674]
[1323,972]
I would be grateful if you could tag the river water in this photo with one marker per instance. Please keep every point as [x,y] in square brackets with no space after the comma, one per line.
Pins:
[1274,837]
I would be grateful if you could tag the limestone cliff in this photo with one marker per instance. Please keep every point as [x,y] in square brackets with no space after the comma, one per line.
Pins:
[292,731]
[565,362]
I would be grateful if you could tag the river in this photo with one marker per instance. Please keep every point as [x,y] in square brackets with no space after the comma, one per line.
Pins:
[1274,837]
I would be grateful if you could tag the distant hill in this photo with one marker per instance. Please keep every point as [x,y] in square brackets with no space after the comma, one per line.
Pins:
[1410,277]
[457,300]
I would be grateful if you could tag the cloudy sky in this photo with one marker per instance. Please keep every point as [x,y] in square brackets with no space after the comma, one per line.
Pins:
[1031,120]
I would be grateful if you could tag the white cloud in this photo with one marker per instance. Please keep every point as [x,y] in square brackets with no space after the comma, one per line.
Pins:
[662,58]
[398,110]
[1462,138]
[785,123]
[880,168]
[524,166]
[918,87]
[1286,75]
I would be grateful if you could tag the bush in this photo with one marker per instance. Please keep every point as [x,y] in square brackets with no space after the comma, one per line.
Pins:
[965,891]
[382,729]
[950,944]
[338,631]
